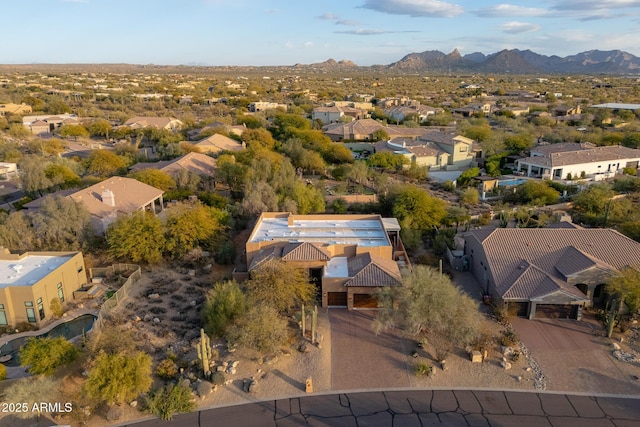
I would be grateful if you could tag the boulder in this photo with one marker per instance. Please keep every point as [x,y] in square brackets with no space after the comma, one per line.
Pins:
[148,318]
[220,368]
[615,346]
[507,351]
[154,296]
[253,386]
[204,388]
[231,370]
[476,357]
[506,365]
[185,383]
[114,413]
[304,348]
[156,320]
[134,404]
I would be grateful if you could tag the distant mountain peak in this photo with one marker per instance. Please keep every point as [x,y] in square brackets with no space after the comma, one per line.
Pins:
[520,62]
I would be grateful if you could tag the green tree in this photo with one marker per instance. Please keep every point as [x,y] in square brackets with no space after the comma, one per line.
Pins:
[16,232]
[386,160]
[61,224]
[466,176]
[416,209]
[155,178]
[120,377]
[190,226]
[100,127]
[138,237]
[279,285]
[33,177]
[631,140]
[308,199]
[230,172]
[479,133]
[104,163]
[470,196]
[259,137]
[224,304]
[593,202]
[380,135]
[43,355]
[55,105]
[428,303]
[623,288]
[261,329]
[75,131]
[170,400]
[533,192]
[519,142]
[18,130]
[61,175]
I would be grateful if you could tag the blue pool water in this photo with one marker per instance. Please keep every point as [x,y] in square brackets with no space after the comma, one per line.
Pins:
[70,329]
[511,182]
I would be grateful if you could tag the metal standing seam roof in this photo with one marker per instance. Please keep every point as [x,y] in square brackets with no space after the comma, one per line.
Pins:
[552,252]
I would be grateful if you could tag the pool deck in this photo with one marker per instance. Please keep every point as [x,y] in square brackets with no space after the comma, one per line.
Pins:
[19,371]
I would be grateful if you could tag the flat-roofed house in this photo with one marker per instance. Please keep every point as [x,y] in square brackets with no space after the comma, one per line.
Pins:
[548,272]
[347,256]
[30,281]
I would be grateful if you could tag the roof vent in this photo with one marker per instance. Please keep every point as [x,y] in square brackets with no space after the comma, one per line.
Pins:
[108,198]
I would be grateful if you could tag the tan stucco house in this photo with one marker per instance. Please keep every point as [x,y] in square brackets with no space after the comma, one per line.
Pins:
[347,256]
[30,281]
[548,272]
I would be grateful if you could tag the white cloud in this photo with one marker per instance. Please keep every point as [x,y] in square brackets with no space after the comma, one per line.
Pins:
[348,22]
[415,8]
[329,17]
[308,44]
[507,10]
[363,32]
[585,5]
[516,27]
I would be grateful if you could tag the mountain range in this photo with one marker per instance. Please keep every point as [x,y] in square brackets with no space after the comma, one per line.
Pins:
[517,61]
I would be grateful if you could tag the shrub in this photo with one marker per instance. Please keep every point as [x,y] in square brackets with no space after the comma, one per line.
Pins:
[167,369]
[509,337]
[217,378]
[56,307]
[3,372]
[44,355]
[422,368]
[170,400]
[630,171]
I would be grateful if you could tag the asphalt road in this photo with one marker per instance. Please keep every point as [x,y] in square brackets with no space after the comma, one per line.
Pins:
[420,408]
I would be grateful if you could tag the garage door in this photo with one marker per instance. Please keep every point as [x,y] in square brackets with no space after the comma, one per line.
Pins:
[337,299]
[519,309]
[364,301]
[556,311]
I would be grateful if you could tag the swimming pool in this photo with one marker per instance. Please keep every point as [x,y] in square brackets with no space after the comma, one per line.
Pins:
[511,182]
[70,329]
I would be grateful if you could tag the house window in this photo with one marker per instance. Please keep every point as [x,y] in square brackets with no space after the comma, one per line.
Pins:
[60,292]
[31,313]
[3,316]
[40,308]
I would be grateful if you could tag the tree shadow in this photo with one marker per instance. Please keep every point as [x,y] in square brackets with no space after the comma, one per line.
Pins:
[295,383]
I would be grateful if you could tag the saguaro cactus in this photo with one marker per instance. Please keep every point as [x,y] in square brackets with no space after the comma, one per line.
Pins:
[204,353]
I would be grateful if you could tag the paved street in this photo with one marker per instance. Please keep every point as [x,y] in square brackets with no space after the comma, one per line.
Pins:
[420,408]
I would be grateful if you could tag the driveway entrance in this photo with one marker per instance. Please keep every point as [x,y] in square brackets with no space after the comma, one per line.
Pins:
[361,359]
[575,355]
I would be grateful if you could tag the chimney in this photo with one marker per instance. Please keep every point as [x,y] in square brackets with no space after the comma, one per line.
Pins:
[108,198]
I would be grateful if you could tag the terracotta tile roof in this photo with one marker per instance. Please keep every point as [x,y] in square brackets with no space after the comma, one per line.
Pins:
[555,252]
[304,251]
[266,255]
[129,195]
[216,143]
[143,122]
[371,271]
[582,155]
[197,163]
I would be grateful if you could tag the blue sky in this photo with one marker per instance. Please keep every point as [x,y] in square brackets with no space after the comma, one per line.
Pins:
[286,32]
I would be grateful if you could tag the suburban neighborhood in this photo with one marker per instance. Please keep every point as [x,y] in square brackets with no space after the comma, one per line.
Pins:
[433,246]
